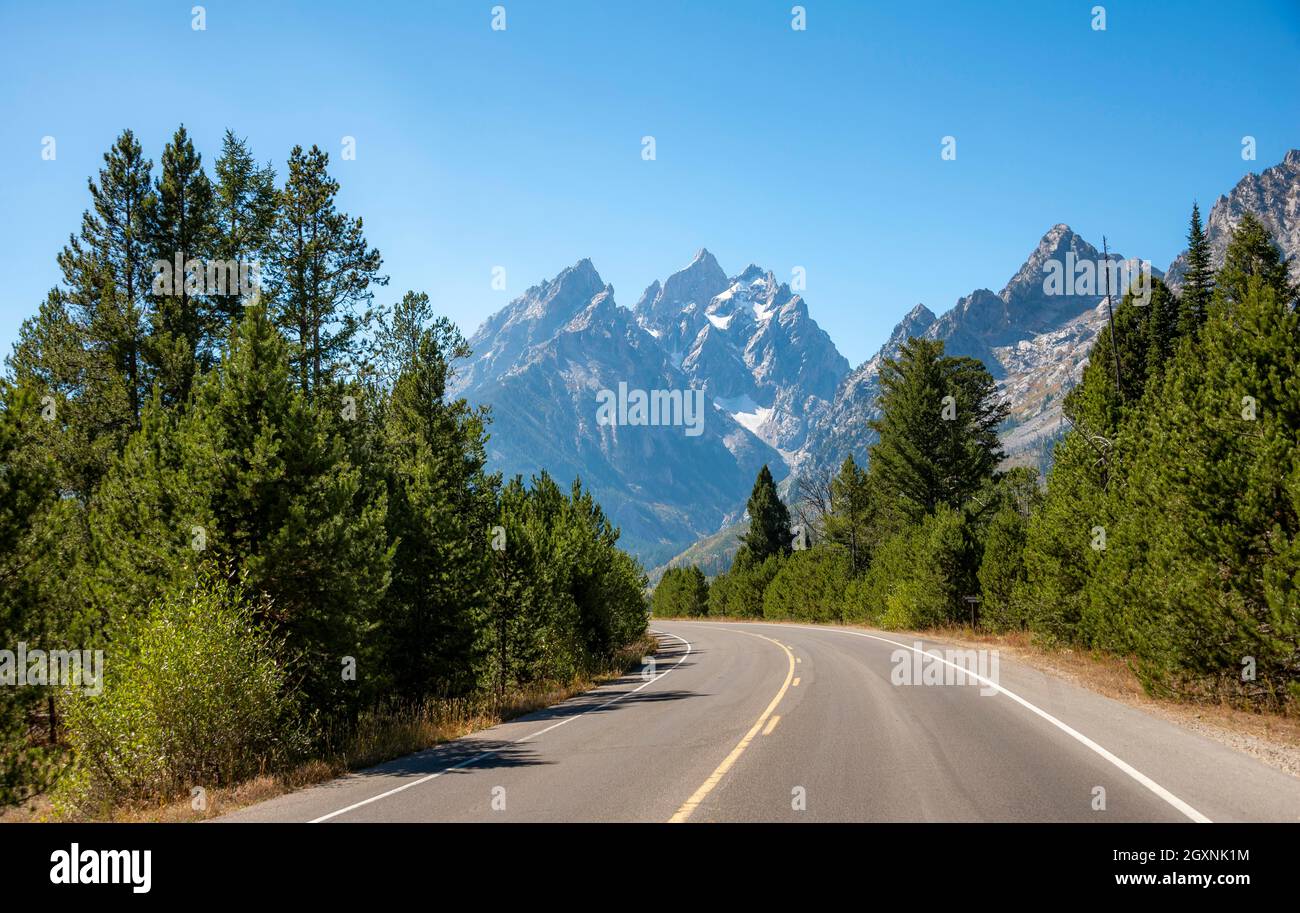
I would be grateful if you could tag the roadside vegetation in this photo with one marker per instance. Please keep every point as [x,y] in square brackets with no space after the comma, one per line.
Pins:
[263,507]
[1167,532]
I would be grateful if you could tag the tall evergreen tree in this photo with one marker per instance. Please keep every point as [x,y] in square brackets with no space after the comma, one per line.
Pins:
[245,201]
[181,230]
[399,332]
[86,346]
[287,500]
[25,492]
[769,520]
[320,271]
[1199,578]
[849,522]
[938,428]
[440,504]
[1198,284]
[1252,254]
[107,267]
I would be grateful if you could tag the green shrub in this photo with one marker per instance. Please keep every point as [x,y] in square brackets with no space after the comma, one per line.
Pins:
[1002,570]
[739,592]
[682,592]
[809,586]
[198,699]
[919,576]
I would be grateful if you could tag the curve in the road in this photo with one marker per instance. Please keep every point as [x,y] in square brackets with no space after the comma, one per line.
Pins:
[1109,756]
[691,804]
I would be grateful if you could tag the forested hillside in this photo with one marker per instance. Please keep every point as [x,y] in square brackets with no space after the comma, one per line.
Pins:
[1168,529]
[249,488]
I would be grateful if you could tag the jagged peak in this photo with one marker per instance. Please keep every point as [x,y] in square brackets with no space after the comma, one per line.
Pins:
[582,271]
[568,292]
[583,267]
[703,263]
[1292,158]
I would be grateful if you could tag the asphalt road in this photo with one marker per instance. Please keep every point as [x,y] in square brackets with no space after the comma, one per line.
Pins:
[768,722]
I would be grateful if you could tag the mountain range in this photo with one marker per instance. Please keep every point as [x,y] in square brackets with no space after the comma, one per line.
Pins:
[775,387]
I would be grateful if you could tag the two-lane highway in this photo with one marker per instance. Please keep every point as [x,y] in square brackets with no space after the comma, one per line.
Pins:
[776,722]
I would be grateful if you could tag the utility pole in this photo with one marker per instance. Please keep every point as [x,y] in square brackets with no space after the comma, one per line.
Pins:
[1114,340]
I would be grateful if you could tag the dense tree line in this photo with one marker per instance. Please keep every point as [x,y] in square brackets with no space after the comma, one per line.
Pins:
[251,490]
[1168,530]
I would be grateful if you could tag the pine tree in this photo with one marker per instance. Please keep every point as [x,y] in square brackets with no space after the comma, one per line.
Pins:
[400,329]
[938,429]
[1162,329]
[769,520]
[1002,569]
[1199,576]
[1251,254]
[440,504]
[682,592]
[320,270]
[107,271]
[26,490]
[850,520]
[1198,284]
[85,347]
[244,202]
[181,230]
[290,507]
[514,639]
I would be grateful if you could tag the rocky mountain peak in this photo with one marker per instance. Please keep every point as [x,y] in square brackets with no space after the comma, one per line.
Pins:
[1056,243]
[566,293]
[695,284]
[914,323]
[527,320]
[1273,195]
[920,312]
[704,257]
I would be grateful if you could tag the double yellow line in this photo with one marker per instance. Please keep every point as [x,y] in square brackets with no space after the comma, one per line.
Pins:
[690,805]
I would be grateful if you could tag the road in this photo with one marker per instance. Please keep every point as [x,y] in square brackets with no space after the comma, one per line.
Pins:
[780,722]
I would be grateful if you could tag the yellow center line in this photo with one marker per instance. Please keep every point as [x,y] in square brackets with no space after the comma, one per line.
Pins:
[771,724]
[796,682]
[690,805]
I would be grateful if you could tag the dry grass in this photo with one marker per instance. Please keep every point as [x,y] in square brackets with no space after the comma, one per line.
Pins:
[379,736]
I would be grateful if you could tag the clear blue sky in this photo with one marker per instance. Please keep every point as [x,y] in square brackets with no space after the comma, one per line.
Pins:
[818,148]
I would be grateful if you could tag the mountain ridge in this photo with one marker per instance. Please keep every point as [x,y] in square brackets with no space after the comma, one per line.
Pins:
[777,389]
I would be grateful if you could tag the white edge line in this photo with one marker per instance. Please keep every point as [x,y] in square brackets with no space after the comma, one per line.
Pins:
[1123,765]
[531,735]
